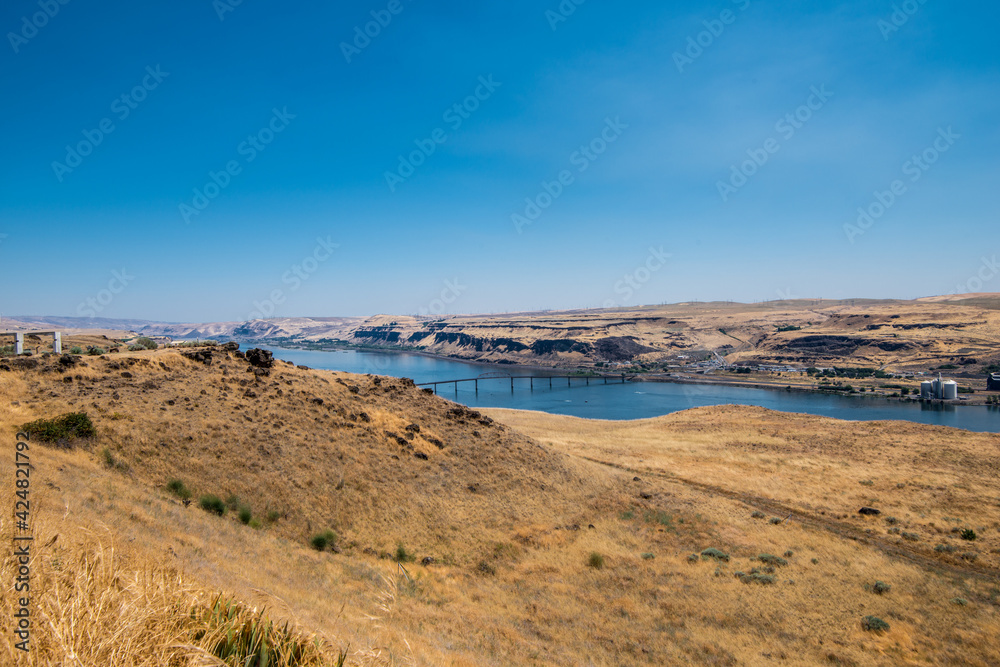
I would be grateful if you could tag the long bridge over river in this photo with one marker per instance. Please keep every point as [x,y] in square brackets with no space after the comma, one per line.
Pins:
[620,378]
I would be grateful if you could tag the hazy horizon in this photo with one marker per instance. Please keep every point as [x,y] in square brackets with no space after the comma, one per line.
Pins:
[211,161]
[22,317]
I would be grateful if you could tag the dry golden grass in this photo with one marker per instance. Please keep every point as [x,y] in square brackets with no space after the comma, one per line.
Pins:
[90,604]
[507,519]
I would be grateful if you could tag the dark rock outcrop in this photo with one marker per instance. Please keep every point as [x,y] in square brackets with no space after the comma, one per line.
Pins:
[260,358]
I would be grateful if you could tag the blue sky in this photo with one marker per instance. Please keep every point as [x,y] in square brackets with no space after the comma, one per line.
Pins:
[683,175]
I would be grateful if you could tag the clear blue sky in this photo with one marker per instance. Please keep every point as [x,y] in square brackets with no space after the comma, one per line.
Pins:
[676,118]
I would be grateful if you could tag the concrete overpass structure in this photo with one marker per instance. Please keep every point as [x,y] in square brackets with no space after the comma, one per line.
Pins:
[19,339]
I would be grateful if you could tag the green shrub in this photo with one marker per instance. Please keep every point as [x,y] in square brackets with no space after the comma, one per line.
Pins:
[693,558]
[712,552]
[273,516]
[659,517]
[912,537]
[323,540]
[961,602]
[64,427]
[402,555]
[76,349]
[891,520]
[874,624]
[755,576]
[768,559]
[95,351]
[968,534]
[775,520]
[485,567]
[245,515]
[758,515]
[179,489]
[212,503]
[815,561]
[881,588]
[866,482]
[255,524]
[144,343]
[111,462]
[945,549]
[789,553]
[238,635]
[648,556]
[595,560]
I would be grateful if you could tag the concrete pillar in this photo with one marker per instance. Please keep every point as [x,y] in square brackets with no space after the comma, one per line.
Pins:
[18,343]
[57,342]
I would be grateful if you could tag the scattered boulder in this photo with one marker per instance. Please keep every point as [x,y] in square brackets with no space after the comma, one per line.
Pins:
[203,355]
[260,358]
[20,364]
[869,511]
[231,346]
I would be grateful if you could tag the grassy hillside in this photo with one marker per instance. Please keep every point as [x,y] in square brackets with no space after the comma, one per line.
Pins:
[549,541]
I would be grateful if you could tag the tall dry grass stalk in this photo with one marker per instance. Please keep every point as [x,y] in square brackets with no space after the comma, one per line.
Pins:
[93,605]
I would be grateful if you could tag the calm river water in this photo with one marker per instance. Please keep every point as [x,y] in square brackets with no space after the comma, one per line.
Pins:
[632,400]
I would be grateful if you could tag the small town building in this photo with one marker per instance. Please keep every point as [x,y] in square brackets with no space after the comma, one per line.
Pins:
[993,382]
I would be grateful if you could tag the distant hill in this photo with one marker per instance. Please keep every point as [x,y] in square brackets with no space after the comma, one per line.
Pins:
[958,330]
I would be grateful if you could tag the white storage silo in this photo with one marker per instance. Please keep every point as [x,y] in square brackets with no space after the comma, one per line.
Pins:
[926,389]
[949,390]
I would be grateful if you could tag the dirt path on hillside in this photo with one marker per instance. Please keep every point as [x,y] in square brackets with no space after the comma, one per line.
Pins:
[839,529]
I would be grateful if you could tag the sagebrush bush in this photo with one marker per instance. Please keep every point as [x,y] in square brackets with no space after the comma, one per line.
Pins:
[968,534]
[323,540]
[212,503]
[595,560]
[874,624]
[245,514]
[712,552]
[69,426]
[144,343]
[402,555]
[768,559]
[881,588]
[179,489]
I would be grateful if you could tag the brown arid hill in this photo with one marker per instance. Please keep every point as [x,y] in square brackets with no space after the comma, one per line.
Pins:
[897,335]
[552,541]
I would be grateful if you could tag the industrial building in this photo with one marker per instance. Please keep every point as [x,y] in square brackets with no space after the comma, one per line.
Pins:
[941,389]
[993,382]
